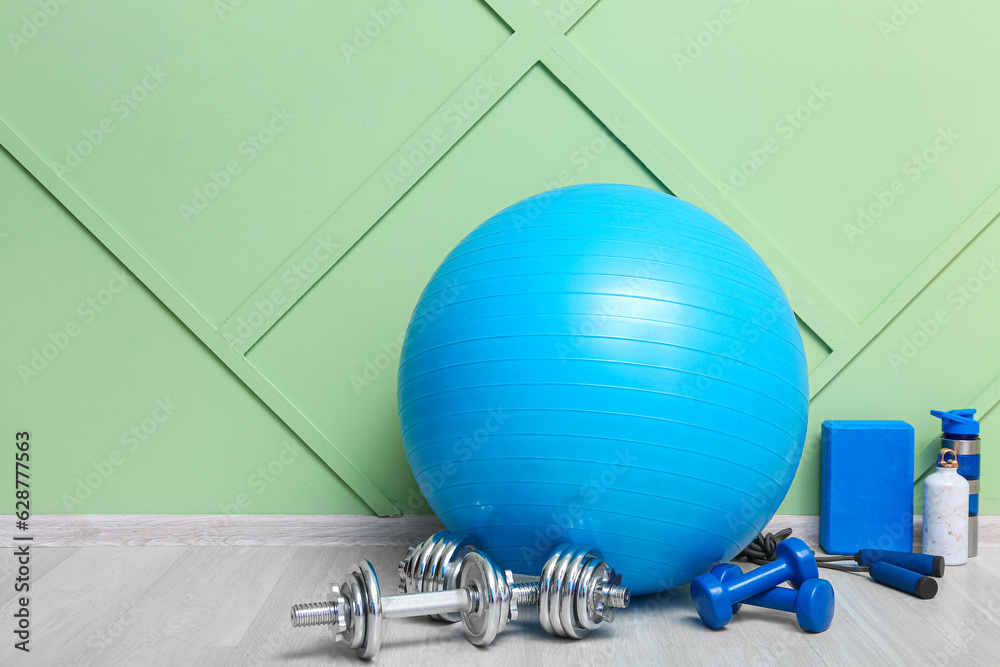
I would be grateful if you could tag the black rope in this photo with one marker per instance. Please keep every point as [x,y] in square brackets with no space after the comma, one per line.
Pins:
[842,568]
[764,547]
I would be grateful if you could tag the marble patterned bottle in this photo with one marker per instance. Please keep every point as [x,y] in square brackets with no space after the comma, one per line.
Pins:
[946,511]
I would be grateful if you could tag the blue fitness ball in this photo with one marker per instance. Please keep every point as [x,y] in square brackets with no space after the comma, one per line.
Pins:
[606,365]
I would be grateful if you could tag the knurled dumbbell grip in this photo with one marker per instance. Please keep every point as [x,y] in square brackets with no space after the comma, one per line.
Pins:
[525,594]
[425,604]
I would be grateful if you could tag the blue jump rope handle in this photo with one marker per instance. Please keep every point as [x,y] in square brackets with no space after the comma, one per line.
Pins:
[919,563]
[905,580]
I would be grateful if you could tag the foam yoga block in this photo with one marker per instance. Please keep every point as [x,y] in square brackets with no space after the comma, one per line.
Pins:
[606,365]
[866,486]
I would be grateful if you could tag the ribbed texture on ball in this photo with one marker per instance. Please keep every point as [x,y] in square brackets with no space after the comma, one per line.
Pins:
[610,366]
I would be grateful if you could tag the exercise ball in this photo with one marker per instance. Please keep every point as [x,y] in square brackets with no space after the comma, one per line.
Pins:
[606,365]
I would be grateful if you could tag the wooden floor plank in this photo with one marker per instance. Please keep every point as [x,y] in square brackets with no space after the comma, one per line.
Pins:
[80,598]
[205,602]
[967,613]
[270,638]
[988,560]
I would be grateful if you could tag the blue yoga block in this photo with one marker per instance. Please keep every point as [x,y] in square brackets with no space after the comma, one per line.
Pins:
[866,486]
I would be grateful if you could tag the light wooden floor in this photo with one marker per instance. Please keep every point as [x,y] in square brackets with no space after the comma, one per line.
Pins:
[229,606]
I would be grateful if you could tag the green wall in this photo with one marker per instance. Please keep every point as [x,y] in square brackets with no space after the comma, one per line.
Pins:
[216,217]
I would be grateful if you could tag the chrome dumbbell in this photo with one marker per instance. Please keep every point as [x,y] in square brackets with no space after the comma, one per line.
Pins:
[577,590]
[485,599]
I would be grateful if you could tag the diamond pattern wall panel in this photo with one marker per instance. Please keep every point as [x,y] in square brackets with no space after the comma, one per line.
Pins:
[284,178]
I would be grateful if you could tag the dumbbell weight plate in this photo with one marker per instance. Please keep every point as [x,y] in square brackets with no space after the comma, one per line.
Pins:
[489,615]
[450,559]
[353,592]
[588,609]
[558,598]
[373,611]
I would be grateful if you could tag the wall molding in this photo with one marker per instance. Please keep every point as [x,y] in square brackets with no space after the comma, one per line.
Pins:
[806,528]
[217,530]
[311,530]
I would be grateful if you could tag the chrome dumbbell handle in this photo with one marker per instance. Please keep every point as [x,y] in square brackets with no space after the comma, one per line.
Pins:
[427,604]
[394,606]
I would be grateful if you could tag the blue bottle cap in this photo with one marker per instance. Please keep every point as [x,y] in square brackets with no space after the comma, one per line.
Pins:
[958,422]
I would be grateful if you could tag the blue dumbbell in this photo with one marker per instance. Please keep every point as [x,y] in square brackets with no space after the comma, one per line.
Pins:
[813,604]
[714,600]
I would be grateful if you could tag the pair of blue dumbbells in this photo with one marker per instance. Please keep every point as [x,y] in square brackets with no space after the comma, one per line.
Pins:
[720,593]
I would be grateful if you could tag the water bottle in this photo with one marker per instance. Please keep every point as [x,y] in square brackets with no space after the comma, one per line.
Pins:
[960,432]
[946,511]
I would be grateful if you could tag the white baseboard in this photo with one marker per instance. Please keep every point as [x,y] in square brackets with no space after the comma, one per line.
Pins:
[806,528]
[208,530]
[309,530]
